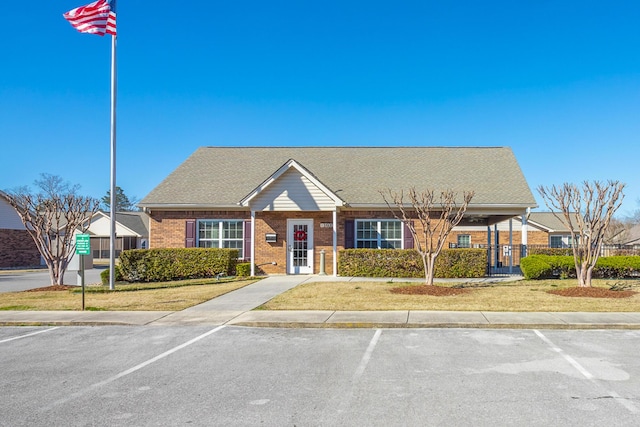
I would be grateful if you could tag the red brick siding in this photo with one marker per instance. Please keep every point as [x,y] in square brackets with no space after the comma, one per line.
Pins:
[167,230]
[17,249]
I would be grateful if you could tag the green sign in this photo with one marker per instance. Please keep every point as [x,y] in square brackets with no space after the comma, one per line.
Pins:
[83,244]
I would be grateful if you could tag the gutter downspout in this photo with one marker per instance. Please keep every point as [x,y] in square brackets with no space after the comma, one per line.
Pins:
[525,230]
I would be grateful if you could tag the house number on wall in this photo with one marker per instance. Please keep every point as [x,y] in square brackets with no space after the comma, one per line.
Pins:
[326,225]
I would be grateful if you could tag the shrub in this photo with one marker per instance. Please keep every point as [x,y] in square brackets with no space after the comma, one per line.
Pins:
[546,266]
[243,269]
[550,251]
[617,267]
[461,263]
[104,276]
[535,267]
[158,265]
[380,263]
[408,263]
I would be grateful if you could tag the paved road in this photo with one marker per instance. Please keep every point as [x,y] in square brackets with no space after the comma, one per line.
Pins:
[237,376]
[18,280]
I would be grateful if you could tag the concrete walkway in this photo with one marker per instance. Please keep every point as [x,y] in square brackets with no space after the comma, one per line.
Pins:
[235,308]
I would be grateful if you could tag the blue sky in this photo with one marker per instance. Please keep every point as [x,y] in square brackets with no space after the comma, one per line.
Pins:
[557,81]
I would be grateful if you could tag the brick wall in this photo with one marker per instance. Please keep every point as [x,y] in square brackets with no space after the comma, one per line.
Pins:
[17,249]
[276,222]
[537,237]
[167,230]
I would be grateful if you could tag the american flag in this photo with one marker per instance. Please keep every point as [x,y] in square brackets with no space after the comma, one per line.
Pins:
[98,17]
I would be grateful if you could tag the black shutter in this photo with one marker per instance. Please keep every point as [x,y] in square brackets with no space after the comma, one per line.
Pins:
[408,237]
[349,234]
[190,234]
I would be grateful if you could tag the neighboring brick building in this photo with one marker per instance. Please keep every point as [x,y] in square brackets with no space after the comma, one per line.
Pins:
[282,206]
[17,248]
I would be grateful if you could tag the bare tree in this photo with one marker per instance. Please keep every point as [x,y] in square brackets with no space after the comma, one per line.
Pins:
[436,217]
[51,217]
[587,213]
[617,232]
[635,216]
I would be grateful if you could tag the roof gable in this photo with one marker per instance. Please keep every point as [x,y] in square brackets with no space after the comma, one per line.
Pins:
[291,188]
[127,224]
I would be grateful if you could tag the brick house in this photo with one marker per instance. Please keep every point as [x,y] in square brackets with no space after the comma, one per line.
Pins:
[17,248]
[282,207]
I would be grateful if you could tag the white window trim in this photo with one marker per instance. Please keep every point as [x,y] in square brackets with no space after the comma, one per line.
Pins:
[458,241]
[566,241]
[379,230]
[221,239]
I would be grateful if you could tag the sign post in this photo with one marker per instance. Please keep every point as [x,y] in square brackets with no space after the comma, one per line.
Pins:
[83,247]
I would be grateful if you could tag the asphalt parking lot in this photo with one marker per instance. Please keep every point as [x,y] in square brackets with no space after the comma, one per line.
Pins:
[230,375]
[22,280]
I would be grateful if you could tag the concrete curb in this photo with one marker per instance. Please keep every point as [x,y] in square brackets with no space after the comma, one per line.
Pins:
[238,308]
[330,319]
[365,325]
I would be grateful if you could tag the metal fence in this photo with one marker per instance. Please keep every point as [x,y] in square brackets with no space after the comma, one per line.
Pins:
[505,259]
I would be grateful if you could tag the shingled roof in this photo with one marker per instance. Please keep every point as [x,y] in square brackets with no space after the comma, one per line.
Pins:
[137,222]
[552,222]
[220,177]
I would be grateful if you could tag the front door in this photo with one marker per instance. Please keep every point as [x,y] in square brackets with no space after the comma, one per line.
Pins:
[300,246]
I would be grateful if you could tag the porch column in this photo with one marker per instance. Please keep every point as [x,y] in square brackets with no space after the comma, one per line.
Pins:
[524,232]
[489,249]
[253,243]
[335,242]
[496,237]
[510,245]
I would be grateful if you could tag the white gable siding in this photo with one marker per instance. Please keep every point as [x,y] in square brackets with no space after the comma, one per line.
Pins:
[9,219]
[101,226]
[292,191]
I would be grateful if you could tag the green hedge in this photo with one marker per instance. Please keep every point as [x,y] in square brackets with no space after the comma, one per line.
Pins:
[461,263]
[158,265]
[618,267]
[550,266]
[104,276]
[243,269]
[408,263]
[536,267]
[550,251]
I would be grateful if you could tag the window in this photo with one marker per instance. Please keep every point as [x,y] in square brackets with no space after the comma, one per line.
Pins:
[386,234]
[221,234]
[560,241]
[464,241]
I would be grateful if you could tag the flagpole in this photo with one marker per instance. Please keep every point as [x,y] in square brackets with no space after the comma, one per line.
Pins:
[112,207]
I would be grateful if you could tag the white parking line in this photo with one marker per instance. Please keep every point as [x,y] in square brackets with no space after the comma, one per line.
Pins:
[29,335]
[624,402]
[131,370]
[367,356]
[566,357]
[345,402]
